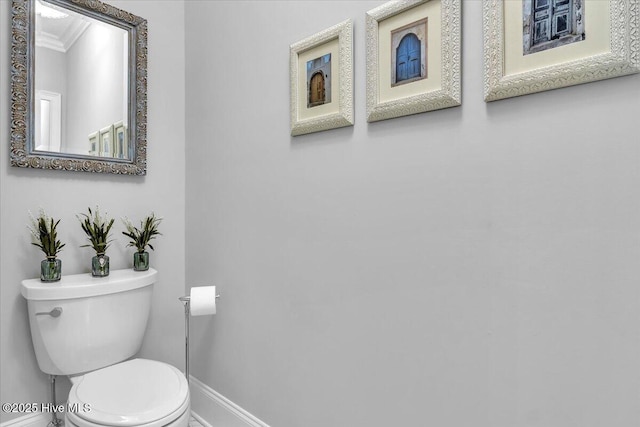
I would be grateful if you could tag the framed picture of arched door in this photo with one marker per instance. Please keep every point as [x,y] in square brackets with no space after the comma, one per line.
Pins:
[413,57]
[321,72]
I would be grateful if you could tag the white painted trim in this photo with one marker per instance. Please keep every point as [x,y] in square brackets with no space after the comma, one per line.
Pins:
[62,43]
[36,419]
[51,123]
[201,420]
[212,409]
[208,407]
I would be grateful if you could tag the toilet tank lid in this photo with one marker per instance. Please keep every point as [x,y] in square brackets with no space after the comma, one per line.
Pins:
[85,285]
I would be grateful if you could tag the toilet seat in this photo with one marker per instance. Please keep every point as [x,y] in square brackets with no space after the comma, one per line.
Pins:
[137,392]
[72,420]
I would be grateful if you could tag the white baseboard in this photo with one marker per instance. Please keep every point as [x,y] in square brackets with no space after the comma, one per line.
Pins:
[208,407]
[36,419]
[212,409]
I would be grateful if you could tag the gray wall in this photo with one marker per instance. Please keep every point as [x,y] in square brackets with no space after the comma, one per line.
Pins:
[452,268]
[63,194]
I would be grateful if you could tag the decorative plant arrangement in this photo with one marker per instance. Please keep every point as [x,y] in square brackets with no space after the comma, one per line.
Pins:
[140,238]
[97,228]
[45,236]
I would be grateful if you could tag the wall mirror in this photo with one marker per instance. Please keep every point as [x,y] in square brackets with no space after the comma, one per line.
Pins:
[78,87]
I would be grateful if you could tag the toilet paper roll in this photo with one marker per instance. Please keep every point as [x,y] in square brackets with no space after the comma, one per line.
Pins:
[203,300]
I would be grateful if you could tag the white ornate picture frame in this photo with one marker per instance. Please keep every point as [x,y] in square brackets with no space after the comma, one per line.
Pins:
[106,141]
[441,88]
[94,143]
[332,51]
[508,72]
[120,142]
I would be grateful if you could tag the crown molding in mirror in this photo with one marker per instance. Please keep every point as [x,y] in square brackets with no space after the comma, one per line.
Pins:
[22,91]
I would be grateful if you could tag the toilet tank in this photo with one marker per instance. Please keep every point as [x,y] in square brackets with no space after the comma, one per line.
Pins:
[101,321]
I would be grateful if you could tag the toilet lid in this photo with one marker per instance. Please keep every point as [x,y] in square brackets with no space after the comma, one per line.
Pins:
[134,392]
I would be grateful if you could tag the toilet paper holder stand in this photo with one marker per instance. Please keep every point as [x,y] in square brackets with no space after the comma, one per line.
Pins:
[186,301]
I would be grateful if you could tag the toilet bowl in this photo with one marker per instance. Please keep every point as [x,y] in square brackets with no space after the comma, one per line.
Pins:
[89,329]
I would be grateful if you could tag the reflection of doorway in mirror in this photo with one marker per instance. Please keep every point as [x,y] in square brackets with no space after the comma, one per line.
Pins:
[48,119]
[87,61]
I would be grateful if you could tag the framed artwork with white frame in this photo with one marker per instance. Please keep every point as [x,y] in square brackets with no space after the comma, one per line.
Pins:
[121,146]
[94,143]
[321,78]
[106,141]
[537,45]
[413,57]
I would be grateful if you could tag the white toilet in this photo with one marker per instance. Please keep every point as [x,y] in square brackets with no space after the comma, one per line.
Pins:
[88,329]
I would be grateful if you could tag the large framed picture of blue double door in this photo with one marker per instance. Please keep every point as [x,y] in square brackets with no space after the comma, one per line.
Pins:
[532,46]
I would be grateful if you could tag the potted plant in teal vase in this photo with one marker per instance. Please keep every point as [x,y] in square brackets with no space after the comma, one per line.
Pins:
[45,236]
[97,228]
[140,238]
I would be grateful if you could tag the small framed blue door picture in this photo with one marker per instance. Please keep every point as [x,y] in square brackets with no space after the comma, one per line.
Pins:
[413,58]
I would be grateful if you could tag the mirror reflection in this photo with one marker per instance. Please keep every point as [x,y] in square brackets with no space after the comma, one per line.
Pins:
[78,87]
[81,85]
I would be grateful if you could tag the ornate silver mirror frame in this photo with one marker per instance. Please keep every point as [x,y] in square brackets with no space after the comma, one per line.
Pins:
[22,90]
